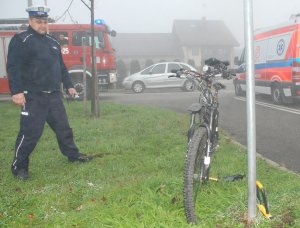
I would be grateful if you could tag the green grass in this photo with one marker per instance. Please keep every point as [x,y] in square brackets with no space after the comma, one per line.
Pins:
[137,182]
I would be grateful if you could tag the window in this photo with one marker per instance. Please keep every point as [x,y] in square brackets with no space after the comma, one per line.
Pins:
[3,49]
[185,67]
[147,70]
[62,37]
[79,36]
[159,69]
[173,66]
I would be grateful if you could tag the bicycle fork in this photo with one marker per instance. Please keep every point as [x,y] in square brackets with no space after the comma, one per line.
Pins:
[209,134]
[209,146]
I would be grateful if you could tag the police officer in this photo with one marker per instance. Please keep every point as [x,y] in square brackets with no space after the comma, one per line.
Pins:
[35,71]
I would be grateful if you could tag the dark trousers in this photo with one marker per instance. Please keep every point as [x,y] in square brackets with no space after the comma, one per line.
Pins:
[42,107]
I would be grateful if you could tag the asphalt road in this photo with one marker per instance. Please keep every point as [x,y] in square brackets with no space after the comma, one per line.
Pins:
[277,127]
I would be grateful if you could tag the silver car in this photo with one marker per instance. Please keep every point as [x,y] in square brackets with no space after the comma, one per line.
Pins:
[157,76]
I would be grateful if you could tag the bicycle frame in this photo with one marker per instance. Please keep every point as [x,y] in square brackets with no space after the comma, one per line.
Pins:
[208,103]
[203,131]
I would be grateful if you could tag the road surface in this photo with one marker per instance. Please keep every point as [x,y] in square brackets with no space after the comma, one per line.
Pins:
[277,127]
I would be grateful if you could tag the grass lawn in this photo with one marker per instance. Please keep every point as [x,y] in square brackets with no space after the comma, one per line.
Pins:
[138,179]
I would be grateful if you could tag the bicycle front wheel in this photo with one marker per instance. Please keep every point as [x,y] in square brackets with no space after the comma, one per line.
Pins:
[196,173]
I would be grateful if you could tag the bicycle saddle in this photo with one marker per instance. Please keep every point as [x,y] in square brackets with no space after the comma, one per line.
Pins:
[196,107]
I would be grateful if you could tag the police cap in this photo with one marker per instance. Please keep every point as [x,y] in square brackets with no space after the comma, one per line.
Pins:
[38,11]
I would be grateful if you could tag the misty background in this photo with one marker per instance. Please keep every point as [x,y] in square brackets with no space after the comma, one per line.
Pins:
[157,16]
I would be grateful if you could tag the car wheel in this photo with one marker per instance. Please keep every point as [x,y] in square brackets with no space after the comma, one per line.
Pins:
[189,85]
[138,87]
[238,89]
[277,95]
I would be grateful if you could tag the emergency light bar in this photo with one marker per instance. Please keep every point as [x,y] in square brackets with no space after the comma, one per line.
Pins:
[99,22]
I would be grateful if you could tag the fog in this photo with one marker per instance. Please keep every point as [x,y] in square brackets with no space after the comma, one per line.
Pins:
[156,16]
[278,142]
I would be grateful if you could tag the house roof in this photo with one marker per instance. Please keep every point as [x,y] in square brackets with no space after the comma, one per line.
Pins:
[145,44]
[203,33]
[198,33]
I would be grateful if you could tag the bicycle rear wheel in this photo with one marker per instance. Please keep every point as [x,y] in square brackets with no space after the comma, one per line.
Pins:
[196,173]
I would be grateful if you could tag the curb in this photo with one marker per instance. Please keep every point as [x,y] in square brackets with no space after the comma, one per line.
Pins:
[267,160]
[4,97]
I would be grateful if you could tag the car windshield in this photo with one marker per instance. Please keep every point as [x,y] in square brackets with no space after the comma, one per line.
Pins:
[147,70]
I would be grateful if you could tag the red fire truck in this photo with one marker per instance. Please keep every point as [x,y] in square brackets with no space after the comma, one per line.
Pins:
[75,40]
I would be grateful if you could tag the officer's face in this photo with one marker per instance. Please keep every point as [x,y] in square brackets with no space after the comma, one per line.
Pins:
[39,25]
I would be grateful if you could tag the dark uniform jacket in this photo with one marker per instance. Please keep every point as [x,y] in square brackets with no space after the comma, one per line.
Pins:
[34,63]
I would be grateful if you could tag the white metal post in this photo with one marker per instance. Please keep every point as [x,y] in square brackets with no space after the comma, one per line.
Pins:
[251,121]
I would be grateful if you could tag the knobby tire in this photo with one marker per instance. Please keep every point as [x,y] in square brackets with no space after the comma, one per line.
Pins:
[195,172]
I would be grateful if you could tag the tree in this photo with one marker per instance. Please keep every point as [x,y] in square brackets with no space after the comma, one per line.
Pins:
[121,72]
[149,62]
[191,62]
[134,66]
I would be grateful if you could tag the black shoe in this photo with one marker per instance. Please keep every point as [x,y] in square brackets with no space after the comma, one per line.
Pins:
[21,174]
[81,158]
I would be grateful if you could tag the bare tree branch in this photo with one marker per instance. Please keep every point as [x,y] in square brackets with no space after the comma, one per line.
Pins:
[86,4]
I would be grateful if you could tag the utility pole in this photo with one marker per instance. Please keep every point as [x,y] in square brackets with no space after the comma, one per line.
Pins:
[94,90]
[95,94]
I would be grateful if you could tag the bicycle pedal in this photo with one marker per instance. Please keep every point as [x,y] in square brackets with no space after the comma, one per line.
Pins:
[213,179]
[234,177]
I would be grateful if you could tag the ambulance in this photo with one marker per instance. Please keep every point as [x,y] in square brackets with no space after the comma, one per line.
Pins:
[277,62]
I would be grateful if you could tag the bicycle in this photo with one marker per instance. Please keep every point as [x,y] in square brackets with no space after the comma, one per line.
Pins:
[203,132]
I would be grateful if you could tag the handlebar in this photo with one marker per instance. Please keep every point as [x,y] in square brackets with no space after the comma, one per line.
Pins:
[213,67]
[219,67]
[180,72]
[215,62]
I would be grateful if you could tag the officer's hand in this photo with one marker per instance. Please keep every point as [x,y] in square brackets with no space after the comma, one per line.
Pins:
[72,92]
[19,99]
